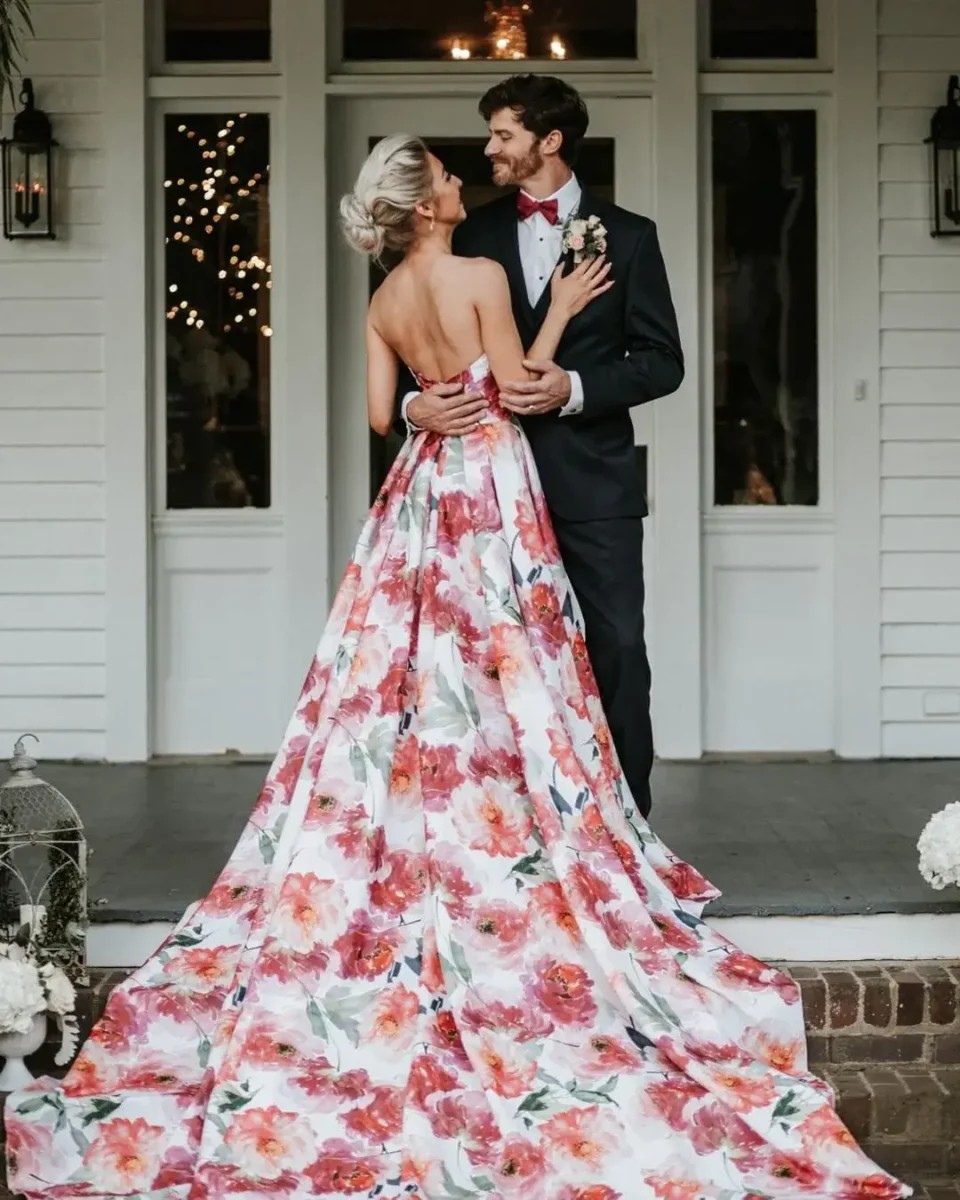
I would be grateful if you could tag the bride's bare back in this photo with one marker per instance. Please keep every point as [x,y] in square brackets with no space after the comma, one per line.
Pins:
[425,311]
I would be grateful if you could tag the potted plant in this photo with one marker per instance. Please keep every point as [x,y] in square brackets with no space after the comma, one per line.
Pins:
[14,23]
[31,987]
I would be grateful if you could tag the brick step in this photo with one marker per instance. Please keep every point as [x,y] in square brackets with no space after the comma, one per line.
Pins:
[875,1013]
[906,1117]
[938,1189]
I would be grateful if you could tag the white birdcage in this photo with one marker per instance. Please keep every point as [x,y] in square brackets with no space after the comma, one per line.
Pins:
[43,866]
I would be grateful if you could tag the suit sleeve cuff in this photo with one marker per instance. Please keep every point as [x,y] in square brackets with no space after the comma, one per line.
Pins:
[575,404]
[404,405]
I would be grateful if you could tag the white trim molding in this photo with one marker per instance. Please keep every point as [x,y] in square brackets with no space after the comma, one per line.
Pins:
[125,368]
[857,385]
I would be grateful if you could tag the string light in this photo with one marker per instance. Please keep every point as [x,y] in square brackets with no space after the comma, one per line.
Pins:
[214,178]
[558,48]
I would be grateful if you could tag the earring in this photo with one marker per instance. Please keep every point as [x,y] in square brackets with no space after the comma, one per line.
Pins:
[431,224]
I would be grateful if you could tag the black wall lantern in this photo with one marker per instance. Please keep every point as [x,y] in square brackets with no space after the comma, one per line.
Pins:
[944,141]
[27,174]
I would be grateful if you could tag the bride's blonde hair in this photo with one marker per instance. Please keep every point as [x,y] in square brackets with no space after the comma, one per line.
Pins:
[378,214]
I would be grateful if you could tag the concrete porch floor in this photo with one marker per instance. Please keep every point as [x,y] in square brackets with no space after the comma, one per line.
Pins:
[779,839]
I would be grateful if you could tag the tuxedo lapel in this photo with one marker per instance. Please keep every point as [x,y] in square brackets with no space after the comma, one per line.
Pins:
[509,255]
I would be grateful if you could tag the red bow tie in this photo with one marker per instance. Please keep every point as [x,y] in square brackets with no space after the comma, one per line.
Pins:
[527,206]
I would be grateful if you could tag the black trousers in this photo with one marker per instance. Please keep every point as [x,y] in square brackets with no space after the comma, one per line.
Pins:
[604,562]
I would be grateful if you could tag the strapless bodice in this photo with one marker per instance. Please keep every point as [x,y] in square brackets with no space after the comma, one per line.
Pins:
[479,378]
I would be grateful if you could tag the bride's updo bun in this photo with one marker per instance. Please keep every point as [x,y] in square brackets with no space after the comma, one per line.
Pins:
[378,215]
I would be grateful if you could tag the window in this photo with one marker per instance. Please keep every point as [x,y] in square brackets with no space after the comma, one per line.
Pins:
[765,313]
[464,158]
[758,29]
[217,285]
[461,30]
[216,30]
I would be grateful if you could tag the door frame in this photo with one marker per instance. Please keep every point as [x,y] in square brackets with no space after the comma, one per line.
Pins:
[633,123]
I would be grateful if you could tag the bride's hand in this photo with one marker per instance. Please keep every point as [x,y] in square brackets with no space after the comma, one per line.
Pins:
[588,280]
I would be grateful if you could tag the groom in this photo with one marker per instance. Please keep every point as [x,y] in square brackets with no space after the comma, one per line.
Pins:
[622,350]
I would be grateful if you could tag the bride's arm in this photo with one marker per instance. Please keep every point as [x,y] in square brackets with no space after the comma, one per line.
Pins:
[498,330]
[383,370]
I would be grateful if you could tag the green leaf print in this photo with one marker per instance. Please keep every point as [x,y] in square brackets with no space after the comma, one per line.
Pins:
[786,1107]
[482,1183]
[266,847]
[535,1102]
[233,1100]
[344,1023]
[79,1140]
[589,1096]
[403,516]
[472,707]
[528,865]
[447,711]
[340,998]
[610,1086]
[454,1190]
[317,1023]
[31,1106]
[562,807]
[460,962]
[100,1110]
[203,1052]
[186,939]
[380,746]
[358,763]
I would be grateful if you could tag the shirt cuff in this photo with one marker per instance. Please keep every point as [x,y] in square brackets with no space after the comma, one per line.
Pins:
[404,405]
[575,404]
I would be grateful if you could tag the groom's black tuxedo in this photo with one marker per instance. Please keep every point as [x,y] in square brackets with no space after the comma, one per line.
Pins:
[624,345]
[626,349]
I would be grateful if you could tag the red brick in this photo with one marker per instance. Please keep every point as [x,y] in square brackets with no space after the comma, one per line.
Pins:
[911,997]
[813,993]
[947,1048]
[943,1001]
[878,1048]
[878,1002]
[843,998]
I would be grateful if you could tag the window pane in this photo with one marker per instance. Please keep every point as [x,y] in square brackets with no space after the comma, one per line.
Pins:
[763,28]
[765,308]
[464,158]
[418,30]
[216,30]
[217,298]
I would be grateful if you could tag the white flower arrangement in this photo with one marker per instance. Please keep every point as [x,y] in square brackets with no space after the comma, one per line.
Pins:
[939,847]
[584,237]
[30,984]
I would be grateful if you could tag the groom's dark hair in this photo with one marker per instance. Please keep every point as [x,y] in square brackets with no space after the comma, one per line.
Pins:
[541,103]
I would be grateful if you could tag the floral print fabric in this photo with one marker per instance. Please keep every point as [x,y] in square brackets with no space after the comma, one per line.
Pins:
[447,959]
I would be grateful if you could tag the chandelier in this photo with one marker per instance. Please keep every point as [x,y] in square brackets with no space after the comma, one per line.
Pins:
[508,33]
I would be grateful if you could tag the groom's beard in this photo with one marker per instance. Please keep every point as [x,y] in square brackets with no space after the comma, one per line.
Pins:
[511,172]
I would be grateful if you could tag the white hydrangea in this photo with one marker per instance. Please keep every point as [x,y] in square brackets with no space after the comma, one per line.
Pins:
[21,995]
[61,996]
[939,847]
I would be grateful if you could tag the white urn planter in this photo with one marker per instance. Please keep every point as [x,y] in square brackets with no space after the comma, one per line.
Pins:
[15,1047]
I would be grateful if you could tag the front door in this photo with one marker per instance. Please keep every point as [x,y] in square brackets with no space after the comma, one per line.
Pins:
[616,162]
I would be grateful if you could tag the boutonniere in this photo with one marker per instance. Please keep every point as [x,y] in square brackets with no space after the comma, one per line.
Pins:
[584,237]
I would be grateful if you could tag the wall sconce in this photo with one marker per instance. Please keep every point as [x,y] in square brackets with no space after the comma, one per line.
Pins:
[944,141]
[27,172]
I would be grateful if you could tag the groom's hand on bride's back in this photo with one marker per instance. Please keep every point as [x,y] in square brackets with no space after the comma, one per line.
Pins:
[446,409]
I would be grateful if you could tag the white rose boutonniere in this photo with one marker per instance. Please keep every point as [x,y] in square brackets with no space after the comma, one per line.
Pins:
[584,237]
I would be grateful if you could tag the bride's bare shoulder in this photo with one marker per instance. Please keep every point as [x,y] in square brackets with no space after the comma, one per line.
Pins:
[481,273]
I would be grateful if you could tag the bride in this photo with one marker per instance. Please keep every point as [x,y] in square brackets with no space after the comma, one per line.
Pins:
[447,958]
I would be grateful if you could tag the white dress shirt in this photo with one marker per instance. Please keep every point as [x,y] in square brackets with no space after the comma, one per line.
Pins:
[540,244]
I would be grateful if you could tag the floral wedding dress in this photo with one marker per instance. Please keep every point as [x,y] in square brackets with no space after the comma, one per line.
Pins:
[446,959]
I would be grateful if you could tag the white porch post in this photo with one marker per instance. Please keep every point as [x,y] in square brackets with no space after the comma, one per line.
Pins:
[857,375]
[125,369]
[676,467]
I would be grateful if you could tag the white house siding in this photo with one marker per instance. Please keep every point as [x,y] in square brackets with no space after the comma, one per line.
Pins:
[920,392]
[52,568]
